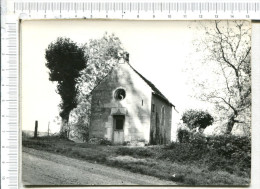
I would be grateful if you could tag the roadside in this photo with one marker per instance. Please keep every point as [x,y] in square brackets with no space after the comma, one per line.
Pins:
[174,163]
[44,168]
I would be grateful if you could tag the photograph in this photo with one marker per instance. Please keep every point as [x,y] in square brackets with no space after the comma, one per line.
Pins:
[135,102]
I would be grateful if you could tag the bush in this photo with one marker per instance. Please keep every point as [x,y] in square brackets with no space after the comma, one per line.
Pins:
[101,141]
[183,135]
[234,148]
[226,153]
[197,118]
[105,142]
[198,140]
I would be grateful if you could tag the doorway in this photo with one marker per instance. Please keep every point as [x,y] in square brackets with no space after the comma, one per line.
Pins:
[118,122]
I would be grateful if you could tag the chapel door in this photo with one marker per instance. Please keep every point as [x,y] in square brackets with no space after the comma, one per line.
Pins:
[119,121]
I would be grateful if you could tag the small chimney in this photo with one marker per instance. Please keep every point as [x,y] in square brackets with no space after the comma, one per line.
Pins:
[126,57]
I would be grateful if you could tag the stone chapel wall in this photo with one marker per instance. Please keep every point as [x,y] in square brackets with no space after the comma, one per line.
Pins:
[136,106]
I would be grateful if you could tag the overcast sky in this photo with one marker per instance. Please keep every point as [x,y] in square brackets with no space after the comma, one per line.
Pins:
[160,50]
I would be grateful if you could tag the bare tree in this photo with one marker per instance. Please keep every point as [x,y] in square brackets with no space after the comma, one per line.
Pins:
[227,50]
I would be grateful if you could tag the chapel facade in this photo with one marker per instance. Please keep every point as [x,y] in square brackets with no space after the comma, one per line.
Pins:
[127,108]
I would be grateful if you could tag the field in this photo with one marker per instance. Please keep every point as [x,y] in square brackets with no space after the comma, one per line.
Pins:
[187,164]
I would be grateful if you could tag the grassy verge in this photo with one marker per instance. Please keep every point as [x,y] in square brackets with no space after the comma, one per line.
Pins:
[155,161]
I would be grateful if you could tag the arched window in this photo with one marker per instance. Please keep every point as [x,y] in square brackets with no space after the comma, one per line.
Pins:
[163,115]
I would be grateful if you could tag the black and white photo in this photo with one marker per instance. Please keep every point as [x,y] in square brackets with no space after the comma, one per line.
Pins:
[109,102]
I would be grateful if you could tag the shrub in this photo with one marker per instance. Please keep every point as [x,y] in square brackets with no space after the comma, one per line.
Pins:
[197,118]
[101,141]
[105,142]
[226,153]
[137,152]
[237,149]
[183,135]
[198,140]
[178,178]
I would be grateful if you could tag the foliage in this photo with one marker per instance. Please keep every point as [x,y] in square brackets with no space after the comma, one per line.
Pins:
[226,46]
[197,119]
[101,141]
[105,142]
[135,152]
[224,152]
[80,128]
[103,54]
[183,135]
[65,60]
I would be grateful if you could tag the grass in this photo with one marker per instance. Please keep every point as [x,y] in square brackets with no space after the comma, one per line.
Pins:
[159,161]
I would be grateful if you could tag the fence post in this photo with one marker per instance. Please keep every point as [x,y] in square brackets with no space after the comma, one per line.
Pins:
[48,128]
[36,129]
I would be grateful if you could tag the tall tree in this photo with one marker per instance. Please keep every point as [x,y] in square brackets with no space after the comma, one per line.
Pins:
[103,55]
[227,49]
[65,60]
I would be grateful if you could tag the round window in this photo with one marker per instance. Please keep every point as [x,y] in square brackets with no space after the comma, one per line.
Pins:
[119,94]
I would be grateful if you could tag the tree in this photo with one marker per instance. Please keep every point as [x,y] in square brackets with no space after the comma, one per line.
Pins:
[103,55]
[65,60]
[227,50]
[197,119]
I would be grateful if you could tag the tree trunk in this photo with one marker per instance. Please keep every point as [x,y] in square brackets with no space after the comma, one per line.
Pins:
[63,129]
[230,124]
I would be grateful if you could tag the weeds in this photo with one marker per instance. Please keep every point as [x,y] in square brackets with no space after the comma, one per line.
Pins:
[135,152]
[184,163]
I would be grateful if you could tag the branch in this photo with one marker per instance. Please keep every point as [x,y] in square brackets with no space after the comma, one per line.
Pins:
[243,60]
[223,53]
[226,79]
[234,68]
[216,25]
[240,36]
[227,103]
[222,50]
[237,121]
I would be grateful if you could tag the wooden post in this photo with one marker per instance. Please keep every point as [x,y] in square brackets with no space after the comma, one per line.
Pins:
[48,128]
[36,129]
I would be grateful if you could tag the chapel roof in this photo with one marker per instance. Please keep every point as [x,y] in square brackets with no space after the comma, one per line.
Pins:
[155,90]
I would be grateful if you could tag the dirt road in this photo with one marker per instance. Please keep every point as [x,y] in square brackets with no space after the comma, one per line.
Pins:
[43,168]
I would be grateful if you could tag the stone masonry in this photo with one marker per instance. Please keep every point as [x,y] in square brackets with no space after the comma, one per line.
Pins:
[141,109]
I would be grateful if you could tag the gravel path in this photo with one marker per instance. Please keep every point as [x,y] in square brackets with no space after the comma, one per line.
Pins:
[43,168]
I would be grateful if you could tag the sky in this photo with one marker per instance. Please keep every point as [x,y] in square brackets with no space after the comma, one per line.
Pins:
[160,50]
